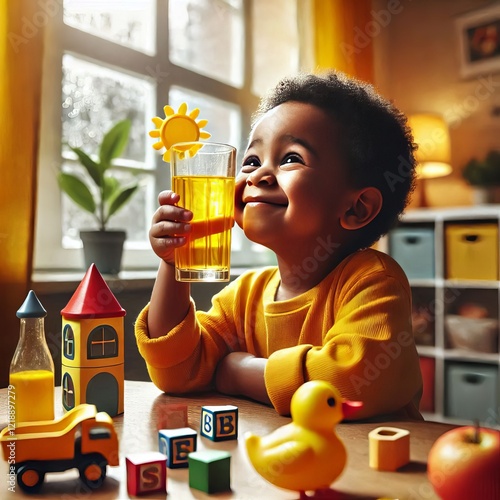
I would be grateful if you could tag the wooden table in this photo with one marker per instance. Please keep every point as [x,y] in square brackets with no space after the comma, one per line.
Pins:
[137,431]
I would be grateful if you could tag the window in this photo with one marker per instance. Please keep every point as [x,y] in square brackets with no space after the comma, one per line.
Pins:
[206,37]
[68,392]
[68,342]
[102,342]
[106,60]
[99,433]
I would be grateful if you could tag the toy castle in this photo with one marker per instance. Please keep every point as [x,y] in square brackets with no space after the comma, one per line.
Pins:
[93,347]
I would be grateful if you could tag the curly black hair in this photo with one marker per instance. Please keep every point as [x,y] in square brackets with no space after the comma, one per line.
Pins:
[378,142]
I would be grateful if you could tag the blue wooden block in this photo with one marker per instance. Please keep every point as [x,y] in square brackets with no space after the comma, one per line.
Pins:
[209,471]
[219,423]
[176,444]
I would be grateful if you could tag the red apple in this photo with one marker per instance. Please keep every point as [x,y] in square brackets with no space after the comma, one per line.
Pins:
[464,464]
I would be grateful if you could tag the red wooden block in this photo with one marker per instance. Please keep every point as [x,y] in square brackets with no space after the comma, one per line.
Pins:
[172,416]
[146,473]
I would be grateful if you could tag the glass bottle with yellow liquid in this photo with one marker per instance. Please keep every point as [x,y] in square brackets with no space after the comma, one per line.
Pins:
[32,368]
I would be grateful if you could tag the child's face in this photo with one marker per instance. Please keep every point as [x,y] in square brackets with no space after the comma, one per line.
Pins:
[292,187]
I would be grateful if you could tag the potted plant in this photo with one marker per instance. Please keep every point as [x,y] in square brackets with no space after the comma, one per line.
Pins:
[484,177]
[103,195]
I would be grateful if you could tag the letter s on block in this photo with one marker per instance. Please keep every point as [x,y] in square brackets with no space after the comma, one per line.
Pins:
[150,477]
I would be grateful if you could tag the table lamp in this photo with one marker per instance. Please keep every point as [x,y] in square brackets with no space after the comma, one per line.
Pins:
[430,133]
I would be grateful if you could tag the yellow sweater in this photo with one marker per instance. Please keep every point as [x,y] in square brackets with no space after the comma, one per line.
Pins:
[353,329]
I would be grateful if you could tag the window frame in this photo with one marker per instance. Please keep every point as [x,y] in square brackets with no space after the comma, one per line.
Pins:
[68,340]
[93,342]
[68,391]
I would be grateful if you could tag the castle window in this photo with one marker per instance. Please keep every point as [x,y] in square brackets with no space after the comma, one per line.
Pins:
[102,342]
[68,392]
[68,342]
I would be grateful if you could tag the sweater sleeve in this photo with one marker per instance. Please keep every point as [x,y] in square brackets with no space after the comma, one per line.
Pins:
[368,353]
[185,358]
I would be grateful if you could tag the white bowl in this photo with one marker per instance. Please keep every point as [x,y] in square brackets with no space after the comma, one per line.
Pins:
[472,334]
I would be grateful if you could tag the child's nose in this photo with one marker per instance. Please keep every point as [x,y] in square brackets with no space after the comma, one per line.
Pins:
[261,175]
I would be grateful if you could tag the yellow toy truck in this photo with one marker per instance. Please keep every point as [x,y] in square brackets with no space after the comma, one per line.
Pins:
[83,439]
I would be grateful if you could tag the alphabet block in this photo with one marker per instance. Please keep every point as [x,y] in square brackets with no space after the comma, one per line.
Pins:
[209,471]
[219,423]
[176,444]
[389,448]
[172,416]
[146,473]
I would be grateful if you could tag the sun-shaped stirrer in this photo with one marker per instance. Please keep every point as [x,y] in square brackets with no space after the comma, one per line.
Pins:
[178,127]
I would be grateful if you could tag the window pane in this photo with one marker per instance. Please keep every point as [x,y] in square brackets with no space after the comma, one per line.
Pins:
[224,118]
[94,98]
[102,342]
[68,390]
[207,36]
[283,36]
[134,217]
[131,23]
[68,342]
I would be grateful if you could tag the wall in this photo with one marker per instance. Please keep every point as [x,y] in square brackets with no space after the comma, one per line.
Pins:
[417,65]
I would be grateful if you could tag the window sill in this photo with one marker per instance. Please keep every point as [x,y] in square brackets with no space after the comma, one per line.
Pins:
[52,282]
[49,282]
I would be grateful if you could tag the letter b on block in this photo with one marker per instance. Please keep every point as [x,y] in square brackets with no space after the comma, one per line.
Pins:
[219,423]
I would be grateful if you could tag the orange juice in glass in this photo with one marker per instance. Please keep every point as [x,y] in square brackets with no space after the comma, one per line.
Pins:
[203,176]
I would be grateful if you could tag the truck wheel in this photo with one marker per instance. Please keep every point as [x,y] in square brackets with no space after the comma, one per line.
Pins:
[29,478]
[92,471]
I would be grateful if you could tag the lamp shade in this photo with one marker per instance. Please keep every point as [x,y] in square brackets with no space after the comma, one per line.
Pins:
[430,133]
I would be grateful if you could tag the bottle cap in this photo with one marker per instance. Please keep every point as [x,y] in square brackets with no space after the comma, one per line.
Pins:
[31,308]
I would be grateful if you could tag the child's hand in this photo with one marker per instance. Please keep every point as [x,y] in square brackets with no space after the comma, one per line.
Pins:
[169,227]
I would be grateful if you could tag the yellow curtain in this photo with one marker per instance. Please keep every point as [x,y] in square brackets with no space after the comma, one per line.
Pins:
[21,37]
[344,30]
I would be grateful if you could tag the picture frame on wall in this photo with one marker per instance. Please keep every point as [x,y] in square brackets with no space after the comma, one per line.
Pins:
[479,41]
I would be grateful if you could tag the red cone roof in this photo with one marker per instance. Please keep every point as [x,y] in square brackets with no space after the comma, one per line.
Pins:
[93,299]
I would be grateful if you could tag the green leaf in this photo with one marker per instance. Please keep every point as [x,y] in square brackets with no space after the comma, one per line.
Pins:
[93,168]
[77,191]
[484,173]
[493,163]
[114,142]
[111,186]
[120,199]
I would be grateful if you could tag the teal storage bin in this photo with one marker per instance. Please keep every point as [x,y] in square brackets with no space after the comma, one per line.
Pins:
[472,392]
[413,249]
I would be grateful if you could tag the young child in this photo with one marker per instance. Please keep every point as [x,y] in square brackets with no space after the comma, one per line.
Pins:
[327,171]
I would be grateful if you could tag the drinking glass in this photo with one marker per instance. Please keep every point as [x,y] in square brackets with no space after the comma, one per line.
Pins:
[203,176]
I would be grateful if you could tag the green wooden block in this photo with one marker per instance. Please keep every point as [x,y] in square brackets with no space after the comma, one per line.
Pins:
[209,471]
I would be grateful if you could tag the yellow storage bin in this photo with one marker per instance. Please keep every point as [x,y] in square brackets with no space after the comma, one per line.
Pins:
[472,251]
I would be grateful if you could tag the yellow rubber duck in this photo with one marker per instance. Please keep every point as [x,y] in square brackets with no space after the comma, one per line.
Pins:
[305,454]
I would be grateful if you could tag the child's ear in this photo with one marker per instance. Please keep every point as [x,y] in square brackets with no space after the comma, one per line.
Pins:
[366,205]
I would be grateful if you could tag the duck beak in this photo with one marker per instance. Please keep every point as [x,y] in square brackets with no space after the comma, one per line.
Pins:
[350,408]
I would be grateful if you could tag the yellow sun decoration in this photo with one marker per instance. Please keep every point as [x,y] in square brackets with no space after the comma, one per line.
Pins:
[178,127]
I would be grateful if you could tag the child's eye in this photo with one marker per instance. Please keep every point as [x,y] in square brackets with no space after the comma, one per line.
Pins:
[250,164]
[292,158]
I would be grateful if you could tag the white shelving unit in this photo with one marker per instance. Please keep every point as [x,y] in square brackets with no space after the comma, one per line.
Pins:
[440,297]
